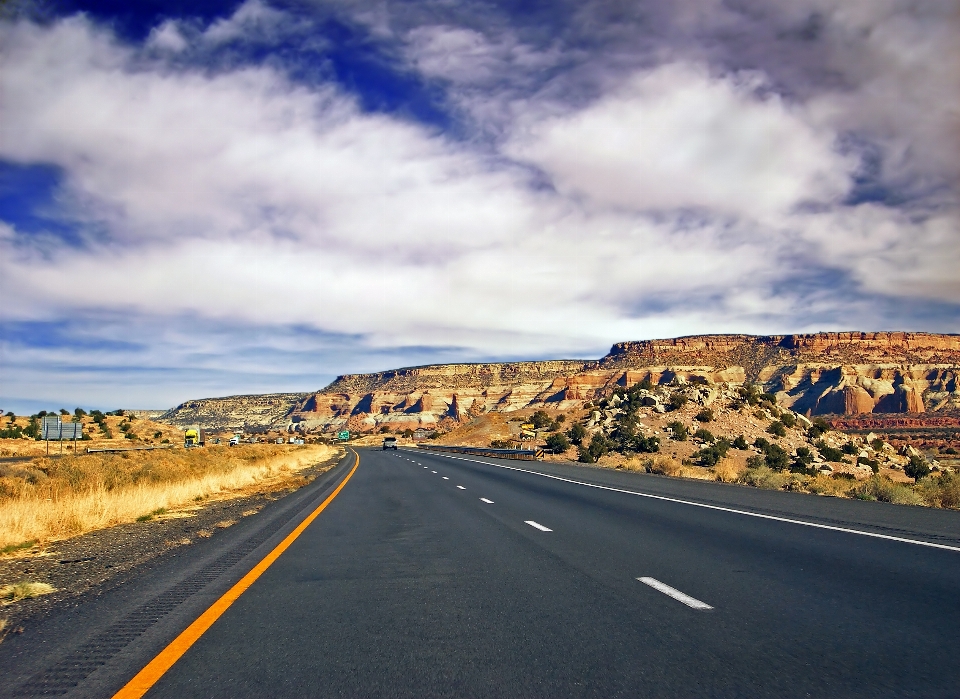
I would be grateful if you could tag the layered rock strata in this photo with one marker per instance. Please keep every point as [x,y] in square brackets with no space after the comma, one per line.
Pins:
[846,373]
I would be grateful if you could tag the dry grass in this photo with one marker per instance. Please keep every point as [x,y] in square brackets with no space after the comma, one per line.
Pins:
[23,590]
[53,499]
[728,471]
[941,490]
[885,490]
[664,465]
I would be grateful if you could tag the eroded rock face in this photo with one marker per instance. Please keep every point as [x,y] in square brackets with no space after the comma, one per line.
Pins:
[825,373]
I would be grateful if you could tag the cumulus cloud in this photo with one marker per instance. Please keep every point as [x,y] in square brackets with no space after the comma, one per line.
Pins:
[233,214]
[675,137]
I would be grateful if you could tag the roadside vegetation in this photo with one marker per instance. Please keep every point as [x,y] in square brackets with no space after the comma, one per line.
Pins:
[49,499]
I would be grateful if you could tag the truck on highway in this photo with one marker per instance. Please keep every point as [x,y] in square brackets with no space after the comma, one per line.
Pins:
[193,436]
[389,443]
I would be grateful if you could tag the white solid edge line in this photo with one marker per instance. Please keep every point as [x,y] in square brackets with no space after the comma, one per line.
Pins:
[745,513]
[489,502]
[461,487]
[537,525]
[676,594]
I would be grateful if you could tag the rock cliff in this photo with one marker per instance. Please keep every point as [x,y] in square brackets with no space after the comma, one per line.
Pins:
[842,373]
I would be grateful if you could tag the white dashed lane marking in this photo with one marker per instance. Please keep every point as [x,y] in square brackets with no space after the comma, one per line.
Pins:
[433,472]
[461,487]
[445,478]
[676,594]
[537,525]
[489,502]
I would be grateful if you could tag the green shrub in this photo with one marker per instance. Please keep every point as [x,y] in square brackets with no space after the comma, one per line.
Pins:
[704,435]
[558,443]
[877,444]
[705,415]
[646,445]
[941,491]
[819,427]
[802,461]
[849,448]
[711,455]
[777,428]
[788,419]
[677,401]
[917,468]
[776,457]
[577,434]
[541,419]
[679,430]
[885,490]
[599,446]
[763,477]
[740,443]
[499,444]
[829,453]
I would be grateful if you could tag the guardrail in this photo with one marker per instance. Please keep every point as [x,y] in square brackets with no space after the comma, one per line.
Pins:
[115,451]
[521,454]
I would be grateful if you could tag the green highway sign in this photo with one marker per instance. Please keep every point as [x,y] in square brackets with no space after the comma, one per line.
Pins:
[343,435]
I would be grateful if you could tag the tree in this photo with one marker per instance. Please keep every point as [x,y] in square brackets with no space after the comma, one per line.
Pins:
[63,411]
[677,401]
[917,468]
[558,443]
[740,443]
[561,419]
[577,433]
[802,461]
[788,419]
[599,446]
[79,412]
[646,384]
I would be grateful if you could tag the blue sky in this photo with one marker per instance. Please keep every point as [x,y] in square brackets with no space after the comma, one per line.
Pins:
[202,199]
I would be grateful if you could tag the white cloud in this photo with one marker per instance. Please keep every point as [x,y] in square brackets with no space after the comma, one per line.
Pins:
[252,18]
[239,198]
[167,37]
[675,137]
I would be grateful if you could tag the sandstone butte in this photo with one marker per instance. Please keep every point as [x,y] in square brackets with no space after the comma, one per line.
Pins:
[841,373]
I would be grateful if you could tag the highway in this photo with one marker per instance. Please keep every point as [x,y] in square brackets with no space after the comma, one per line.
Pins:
[433,575]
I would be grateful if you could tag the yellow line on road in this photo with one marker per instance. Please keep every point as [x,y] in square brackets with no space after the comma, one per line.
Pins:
[156,668]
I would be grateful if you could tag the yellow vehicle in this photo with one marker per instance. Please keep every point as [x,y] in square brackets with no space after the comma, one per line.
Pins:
[193,436]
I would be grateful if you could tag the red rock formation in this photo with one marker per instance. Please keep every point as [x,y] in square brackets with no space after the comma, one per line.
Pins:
[856,401]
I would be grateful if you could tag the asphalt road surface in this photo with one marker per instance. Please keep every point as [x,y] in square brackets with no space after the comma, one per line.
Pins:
[434,575]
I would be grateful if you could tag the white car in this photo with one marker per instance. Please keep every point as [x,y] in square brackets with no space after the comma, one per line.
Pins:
[234,441]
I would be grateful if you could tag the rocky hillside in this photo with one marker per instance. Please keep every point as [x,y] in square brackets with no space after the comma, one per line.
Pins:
[235,412]
[847,374]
